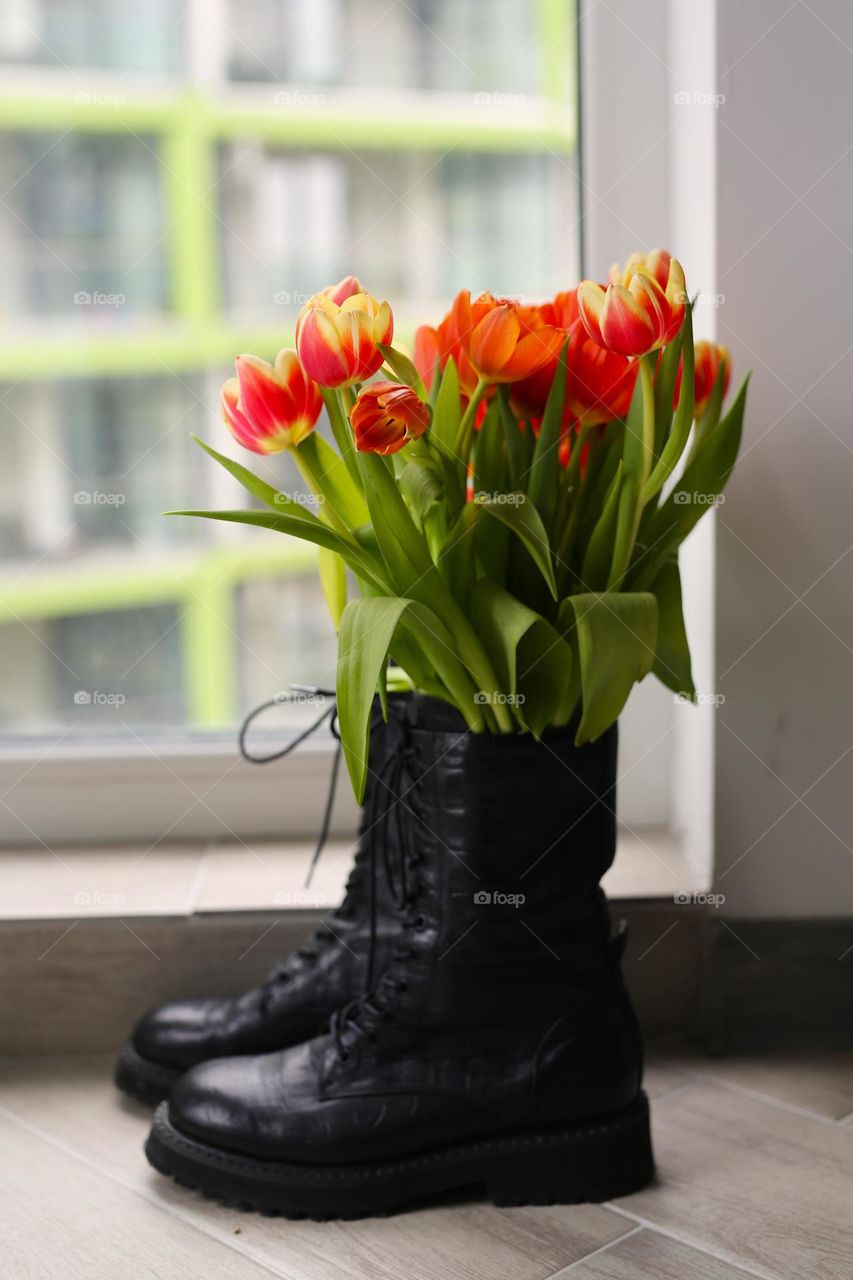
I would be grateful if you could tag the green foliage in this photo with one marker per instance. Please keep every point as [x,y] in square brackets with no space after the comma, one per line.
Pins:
[525,593]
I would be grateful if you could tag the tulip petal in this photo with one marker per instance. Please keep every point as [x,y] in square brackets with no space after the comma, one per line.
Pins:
[494,340]
[321,350]
[590,307]
[629,324]
[536,349]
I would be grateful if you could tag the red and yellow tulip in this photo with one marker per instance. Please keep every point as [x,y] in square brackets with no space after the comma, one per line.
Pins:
[641,308]
[270,407]
[338,342]
[386,416]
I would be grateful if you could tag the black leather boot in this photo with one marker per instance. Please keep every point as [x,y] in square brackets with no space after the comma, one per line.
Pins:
[499,1048]
[300,995]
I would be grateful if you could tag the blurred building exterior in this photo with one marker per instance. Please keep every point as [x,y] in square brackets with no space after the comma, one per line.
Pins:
[173,183]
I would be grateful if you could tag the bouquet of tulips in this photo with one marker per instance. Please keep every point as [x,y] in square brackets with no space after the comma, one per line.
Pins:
[501,510]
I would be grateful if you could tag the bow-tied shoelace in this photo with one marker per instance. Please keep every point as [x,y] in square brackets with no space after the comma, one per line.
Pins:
[378,816]
[329,715]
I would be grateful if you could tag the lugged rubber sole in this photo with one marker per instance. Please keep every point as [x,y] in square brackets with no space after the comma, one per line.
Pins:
[148,1082]
[590,1163]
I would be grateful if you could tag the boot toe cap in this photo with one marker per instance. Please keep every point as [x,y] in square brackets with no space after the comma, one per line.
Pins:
[177,1034]
[249,1105]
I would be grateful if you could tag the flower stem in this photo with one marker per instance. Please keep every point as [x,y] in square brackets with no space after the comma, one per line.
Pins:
[466,426]
[637,469]
[338,413]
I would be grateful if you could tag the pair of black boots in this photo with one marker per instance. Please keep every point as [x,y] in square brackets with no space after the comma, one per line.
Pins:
[461,1019]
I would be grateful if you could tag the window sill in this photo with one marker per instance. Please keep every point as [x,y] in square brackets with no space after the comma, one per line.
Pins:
[197,879]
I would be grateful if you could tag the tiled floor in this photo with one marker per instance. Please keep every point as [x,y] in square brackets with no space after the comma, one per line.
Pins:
[755,1163]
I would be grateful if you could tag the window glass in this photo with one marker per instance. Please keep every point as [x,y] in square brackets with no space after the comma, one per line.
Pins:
[450,45]
[91,33]
[148,239]
[81,227]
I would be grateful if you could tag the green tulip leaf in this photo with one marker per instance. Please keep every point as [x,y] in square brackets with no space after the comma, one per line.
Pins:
[532,660]
[518,513]
[403,367]
[367,632]
[673,447]
[448,409]
[294,522]
[672,652]
[614,634]
[333,579]
[703,480]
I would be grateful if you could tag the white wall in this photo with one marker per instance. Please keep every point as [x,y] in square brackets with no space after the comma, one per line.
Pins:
[784,206]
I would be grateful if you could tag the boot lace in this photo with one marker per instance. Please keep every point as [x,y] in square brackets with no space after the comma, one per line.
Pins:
[309,952]
[363,1016]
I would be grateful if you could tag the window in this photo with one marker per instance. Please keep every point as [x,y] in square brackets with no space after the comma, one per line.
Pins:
[174,187]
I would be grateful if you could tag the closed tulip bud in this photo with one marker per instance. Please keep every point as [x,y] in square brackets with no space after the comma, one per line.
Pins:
[343,289]
[642,307]
[510,342]
[386,416]
[708,360]
[338,343]
[270,407]
[427,354]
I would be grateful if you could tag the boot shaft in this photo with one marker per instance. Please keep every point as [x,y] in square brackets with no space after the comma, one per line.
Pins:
[504,841]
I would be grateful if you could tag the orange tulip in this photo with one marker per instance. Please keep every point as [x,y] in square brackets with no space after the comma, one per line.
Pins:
[338,343]
[600,383]
[428,353]
[642,307]
[562,310]
[708,359]
[510,342]
[488,338]
[450,340]
[270,407]
[386,416]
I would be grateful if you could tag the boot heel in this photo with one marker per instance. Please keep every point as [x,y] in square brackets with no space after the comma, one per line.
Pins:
[597,1162]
